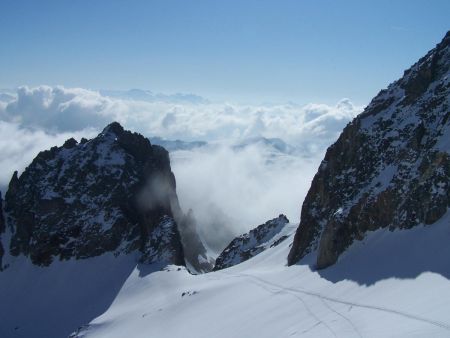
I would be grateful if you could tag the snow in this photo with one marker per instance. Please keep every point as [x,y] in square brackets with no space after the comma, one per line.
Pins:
[254,242]
[53,301]
[443,143]
[385,177]
[392,284]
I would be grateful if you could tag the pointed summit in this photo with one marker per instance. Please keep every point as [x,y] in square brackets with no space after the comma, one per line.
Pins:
[113,127]
[84,200]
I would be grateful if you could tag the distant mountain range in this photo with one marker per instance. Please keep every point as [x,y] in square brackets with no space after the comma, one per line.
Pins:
[149,96]
[175,145]
[270,145]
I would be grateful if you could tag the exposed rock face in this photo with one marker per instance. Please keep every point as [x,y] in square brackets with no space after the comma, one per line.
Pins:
[114,193]
[195,253]
[248,245]
[390,167]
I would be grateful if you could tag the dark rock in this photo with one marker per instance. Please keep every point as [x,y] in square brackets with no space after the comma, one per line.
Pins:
[70,143]
[390,167]
[194,251]
[114,193]
[248,245]
[2,220]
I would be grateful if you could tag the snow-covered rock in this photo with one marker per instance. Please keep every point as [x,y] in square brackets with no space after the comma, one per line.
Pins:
[114,193]
[250,244]
[390,168]
[79,220]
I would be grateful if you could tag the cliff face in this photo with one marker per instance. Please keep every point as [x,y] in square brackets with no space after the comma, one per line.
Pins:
[248,245]
[390,167]
[114,193]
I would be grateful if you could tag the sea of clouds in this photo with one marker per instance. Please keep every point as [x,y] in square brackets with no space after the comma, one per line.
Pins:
[232,184]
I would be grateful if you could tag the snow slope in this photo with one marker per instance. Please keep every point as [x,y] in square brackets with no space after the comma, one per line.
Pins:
[50,302]
[394,284]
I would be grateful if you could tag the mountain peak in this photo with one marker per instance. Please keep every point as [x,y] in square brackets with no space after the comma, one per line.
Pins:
[388,169]
[446,39]
[114,128]
[85,199]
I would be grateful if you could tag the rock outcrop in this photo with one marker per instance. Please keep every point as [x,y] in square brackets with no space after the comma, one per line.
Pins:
[195,253]
[390,167]
[114,193]
[248,245]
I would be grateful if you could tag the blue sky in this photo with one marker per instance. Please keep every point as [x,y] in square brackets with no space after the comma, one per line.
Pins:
[247,51]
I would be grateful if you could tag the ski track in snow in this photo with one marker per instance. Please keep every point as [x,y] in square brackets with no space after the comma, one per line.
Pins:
[324,298]
[264,298]
[278,289]
[322,311]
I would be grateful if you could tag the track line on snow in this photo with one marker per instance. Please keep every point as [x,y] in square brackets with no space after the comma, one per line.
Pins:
[280,290]
[314,315]
[320,321]
[339,301]
[355,329]
[309,329]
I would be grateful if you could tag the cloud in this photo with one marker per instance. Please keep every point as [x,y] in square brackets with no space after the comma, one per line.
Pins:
[233,191]
[229,188]
[57,109]
[60,109]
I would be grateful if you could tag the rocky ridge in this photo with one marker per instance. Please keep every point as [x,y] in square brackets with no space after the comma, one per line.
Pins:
[250,244]
[114,193]
[390,167]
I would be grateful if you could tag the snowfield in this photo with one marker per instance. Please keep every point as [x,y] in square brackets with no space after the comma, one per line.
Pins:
[391,284]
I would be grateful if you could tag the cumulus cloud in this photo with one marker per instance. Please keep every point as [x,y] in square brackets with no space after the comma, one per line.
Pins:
[59,109]
[229,188]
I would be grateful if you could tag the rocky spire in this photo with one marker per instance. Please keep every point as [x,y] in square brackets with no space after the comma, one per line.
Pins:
[113,193]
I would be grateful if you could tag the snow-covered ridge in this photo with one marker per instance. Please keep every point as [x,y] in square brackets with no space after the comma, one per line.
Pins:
[389,168]
[112,193]
[248,245]
[79,219]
